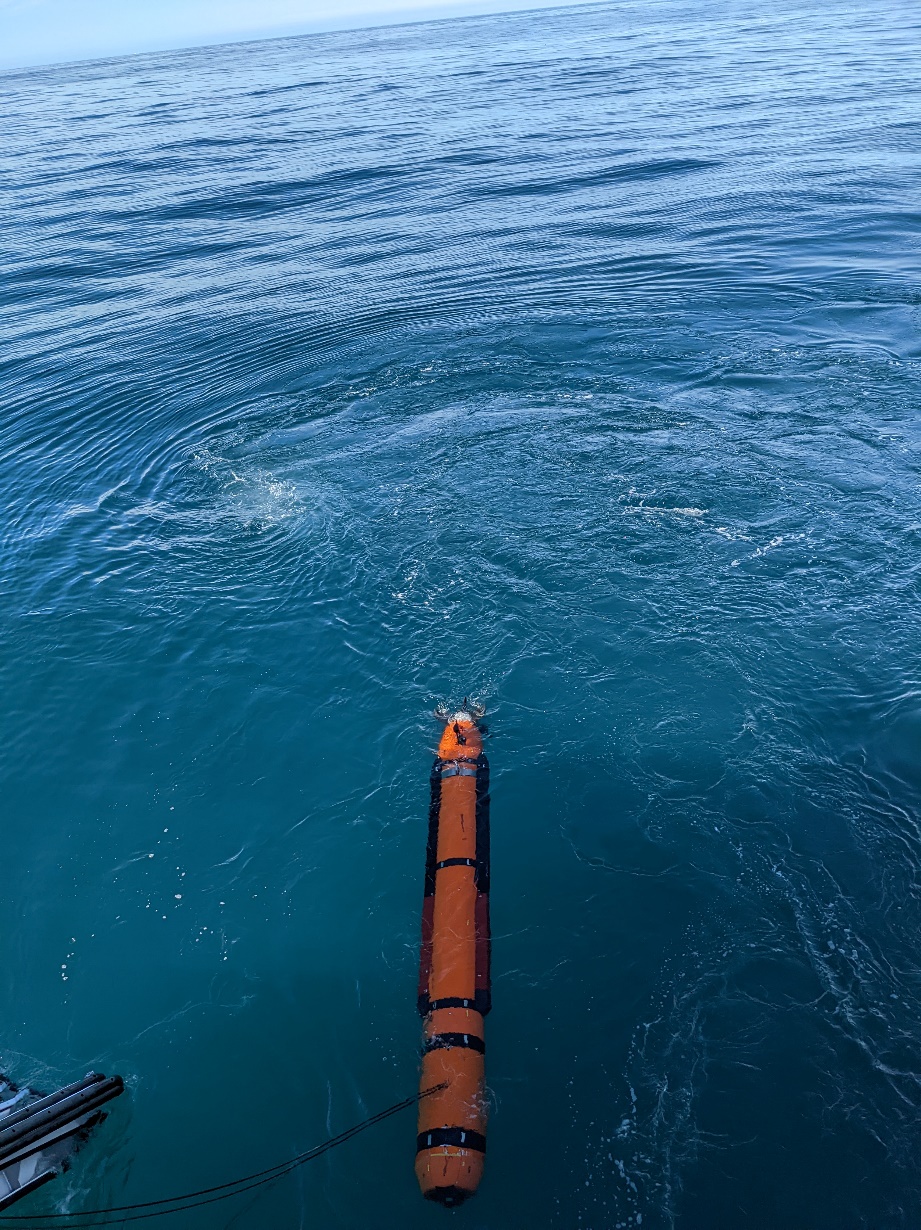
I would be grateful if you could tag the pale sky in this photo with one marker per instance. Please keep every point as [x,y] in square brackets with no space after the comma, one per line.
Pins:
[52,31]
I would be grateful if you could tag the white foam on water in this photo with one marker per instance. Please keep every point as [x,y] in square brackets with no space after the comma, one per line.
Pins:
[651,510]
[252,496]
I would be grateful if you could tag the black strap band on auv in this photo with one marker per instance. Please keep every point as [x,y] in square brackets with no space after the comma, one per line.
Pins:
[470,1042]
[478,1002]
[460,1138]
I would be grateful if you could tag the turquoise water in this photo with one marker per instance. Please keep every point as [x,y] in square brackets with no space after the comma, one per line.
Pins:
[567,359]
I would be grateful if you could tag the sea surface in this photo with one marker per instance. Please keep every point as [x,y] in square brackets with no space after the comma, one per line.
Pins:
[570,360]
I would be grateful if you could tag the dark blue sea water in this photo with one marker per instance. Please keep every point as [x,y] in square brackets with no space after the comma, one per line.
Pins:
[569,359]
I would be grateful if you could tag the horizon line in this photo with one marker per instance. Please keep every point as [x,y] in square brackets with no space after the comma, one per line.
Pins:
[459,10]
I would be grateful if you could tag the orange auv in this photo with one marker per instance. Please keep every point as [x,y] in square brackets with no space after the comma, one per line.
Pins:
[454,986]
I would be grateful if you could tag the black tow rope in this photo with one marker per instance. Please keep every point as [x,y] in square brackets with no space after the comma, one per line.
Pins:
[207,1195]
